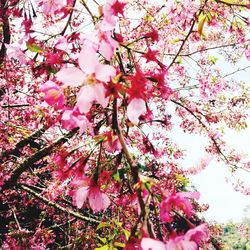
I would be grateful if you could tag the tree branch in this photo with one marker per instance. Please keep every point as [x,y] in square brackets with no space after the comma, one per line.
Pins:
[69,19]
[6,29]
[193,21]
[29,163]
[7,154]
[57,206]
[232,4]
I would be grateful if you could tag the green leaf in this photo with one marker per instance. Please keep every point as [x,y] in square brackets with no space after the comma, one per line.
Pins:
[142,168]
[106,247]
[201,22]
[119,224]
[34,47]
[103,240]
[126,233]
[213,59]
[148,18]
[116,176]
[119,244]
[102,224]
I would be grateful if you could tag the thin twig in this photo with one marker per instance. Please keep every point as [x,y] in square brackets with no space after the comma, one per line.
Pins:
[57,206]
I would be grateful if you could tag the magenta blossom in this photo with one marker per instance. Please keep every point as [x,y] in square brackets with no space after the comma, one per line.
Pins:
[97,200]
[52,94]
[190,241]
[72,119]
[179,201]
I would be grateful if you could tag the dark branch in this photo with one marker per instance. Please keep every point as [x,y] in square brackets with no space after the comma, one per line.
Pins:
[29,163]
[6,29]
[57,206]
[14,152]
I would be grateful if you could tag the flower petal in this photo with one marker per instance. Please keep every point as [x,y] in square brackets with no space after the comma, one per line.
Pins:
[97,200]
[70,77]
[106,50]
[136,108]
[151,244]
[81,196]
[198,233]
[90,93]
[181,243]
[88,60]
[85,98]
[104,72]
[99,94]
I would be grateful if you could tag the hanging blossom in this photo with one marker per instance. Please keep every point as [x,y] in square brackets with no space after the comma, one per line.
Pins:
[97,199]
[72,119]
[51,6]
[102,39]
[191,240]
[180,202]
[92,74]
[137,95]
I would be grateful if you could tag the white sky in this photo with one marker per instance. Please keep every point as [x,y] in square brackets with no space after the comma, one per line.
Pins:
[225,203]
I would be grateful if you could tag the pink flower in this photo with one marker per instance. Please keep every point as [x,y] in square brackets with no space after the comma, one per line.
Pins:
[16,53]
[197,234]
[179,201]
[180,243]
[72,77]
[97,200]
[190,241]
[93,75]
[88,94]
[113,7]
[107,44]
[50,6]
[52,94]
[72,119]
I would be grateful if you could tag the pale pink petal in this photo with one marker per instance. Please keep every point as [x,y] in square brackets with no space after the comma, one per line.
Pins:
[99,94]
[108,23]
[71,77]
[81,196]
[68,121]
[181,243]
[88,60]
[151,244]
[16,53]
[85,98]
[90,93]
[82,122]
[106,50]
[104,72]
[193,195]
[97,200]
[62,44]
[49,85]
[136,108]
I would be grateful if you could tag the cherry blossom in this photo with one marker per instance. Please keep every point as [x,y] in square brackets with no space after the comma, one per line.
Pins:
[91,96]
[180,201]
[97,200]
